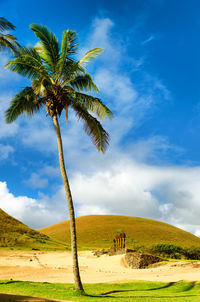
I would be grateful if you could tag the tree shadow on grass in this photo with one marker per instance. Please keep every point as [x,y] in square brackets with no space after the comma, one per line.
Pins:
[134,290]
[186,288]
[143,297]
[189,286]
[10,281]
[17,298]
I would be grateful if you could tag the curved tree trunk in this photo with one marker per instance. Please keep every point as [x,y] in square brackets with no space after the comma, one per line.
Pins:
[77,279]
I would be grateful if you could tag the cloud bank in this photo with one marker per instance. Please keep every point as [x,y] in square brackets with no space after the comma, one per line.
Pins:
[169,194]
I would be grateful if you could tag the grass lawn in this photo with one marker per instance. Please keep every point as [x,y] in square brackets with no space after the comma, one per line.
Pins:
[132,291]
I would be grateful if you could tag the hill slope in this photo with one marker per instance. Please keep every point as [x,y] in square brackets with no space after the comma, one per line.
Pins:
[98,231]
[15,234]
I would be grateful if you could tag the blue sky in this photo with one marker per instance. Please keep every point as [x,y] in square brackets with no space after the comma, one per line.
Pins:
[149,76]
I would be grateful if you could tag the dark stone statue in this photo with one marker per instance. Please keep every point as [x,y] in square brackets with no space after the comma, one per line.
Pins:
[119,242]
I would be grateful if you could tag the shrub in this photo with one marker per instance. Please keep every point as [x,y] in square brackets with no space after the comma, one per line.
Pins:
[176,252]
[169,250]
[192,253]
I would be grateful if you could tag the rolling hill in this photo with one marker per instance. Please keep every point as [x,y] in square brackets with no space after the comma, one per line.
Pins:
[98,231]
[15,234]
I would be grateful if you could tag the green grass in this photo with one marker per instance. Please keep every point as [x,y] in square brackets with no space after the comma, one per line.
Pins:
[98,231]
[16,235]
[133,291]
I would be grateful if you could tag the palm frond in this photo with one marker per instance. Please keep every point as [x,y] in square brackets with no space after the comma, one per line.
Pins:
[28,63]
[69,43]
[50,46]
[94,105]
[23,102]
[38,47]
[5,24]
[92,127]
[71,69]
[8,41]
[90,55]
[83,83]
[68,47]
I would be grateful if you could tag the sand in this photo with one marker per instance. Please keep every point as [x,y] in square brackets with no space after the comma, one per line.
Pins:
[57,267]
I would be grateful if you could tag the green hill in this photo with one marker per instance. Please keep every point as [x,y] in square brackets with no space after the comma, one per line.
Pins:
[15,234]
[98,231]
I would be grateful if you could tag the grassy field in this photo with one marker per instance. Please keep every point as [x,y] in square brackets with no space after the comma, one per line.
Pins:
[98,231]
[16,235]
[93,232]
[135,291]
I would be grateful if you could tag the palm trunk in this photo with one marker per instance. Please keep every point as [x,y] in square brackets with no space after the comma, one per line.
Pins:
[77,279]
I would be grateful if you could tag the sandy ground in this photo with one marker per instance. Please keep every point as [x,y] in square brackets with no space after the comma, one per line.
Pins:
[57,267]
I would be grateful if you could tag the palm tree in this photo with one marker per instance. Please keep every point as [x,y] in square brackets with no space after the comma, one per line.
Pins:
[7,41]
[57,82]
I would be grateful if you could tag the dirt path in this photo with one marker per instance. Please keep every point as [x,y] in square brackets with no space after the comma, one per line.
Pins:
[57,267]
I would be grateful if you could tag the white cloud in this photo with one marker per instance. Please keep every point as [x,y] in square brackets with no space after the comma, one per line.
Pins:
[35,181]
[5,151]
[197,233]
[114,84]
[100,36]
[101,33]
[152,37]
[38,132]
[164,193]
[40,178]
[130,101]
[49,171]
[6,130]
[113,193]
[122,186]
[150,148]
[36,213]
[6,74]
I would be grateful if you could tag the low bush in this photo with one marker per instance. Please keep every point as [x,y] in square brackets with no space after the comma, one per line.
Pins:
[192,253]
[165,249]
[175,251]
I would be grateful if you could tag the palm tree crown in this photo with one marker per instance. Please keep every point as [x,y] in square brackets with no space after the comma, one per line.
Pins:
[7,41]
[57,82]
